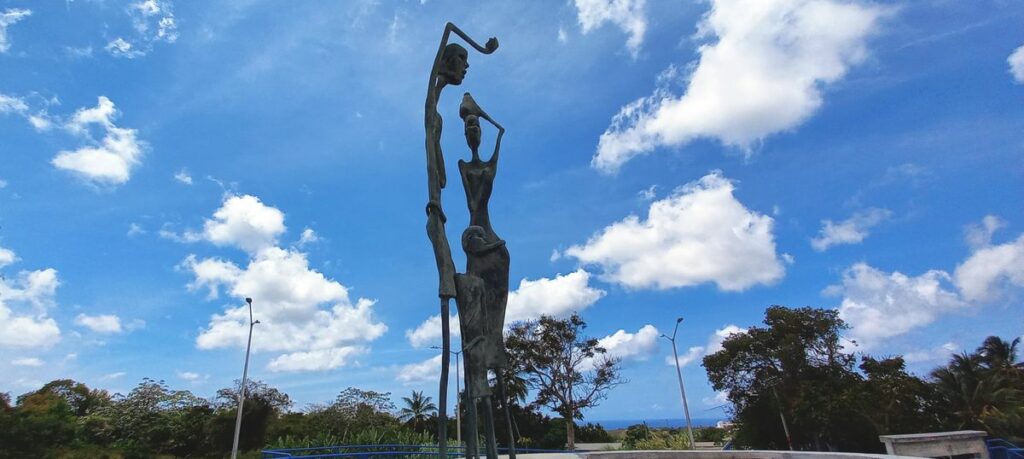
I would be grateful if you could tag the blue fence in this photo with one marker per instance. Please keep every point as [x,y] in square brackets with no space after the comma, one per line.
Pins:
[1002,449]
[382,451]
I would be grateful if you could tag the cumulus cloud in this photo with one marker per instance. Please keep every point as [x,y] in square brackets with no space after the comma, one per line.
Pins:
[879,305]
[7,257]
[1016,61]
[244,222]
[316,360]
[103,323]
[109,161]
[558,297]
[698,234]
[991,269]
[421,372]
[761,71]
[24,304]
[853,230]
[38,118]
[308,319]
[628,15]
[713,345]
[153,22]
[631,346]
[7,18]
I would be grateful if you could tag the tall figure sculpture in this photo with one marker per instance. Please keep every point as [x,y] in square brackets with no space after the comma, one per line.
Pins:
[450,65]
[483,289]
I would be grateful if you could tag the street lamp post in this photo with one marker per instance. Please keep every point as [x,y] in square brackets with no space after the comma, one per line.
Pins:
[245,375]
[679,374]
[458,399]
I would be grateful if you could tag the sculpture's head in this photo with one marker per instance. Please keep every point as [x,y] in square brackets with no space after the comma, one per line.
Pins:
[454,62]
[472,131]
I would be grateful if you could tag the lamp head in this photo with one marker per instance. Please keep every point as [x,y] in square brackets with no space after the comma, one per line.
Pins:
[249,300]
[678,320]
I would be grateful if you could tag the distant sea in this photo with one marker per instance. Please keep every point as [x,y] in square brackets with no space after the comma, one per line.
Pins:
[610,424]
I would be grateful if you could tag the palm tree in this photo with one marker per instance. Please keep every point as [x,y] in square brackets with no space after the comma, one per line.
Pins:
[417,410]
[982,390]
[1000,355]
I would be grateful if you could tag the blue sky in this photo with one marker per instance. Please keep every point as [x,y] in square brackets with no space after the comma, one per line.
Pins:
[163,161]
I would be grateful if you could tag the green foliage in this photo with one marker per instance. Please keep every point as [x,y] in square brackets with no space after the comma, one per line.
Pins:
[795,367]
[569,371]
[592,433]
[642,437]
[710,434]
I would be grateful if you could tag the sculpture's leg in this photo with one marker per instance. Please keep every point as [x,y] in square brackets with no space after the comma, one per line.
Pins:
[508,415]
[492,444]
[442,395]
[473,432]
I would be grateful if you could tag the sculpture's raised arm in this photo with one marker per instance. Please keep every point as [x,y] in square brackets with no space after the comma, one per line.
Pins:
[488,48]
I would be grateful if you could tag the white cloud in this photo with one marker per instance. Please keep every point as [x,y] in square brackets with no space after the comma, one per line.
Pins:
[720,398]
[938,354]
[308,237]
[192,376]
[713,345]
[243,222]
[112,376]
[7,18]
[563,36]
[119,47]
[109,161]
[3,184]
[980,235]
[631,346]
[316,360]
[428,333]
[134,229]
[12,104]
[153,21]
[879,305]
[986,274]
[24,303]
[853,230]
[7,257]
[306,317]
[27,362]
[700,233]
[1016,61]
[628,15]
[558,297]
[183,177]
[762,71]
[103,323]
[649,194]
[421,372]
[691,355]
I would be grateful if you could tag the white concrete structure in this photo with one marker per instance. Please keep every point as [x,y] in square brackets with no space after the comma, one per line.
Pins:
[938,444]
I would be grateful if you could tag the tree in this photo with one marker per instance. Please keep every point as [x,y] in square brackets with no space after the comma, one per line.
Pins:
[894,400]
[569,372]
[984,389]
[794,366]
[417,410]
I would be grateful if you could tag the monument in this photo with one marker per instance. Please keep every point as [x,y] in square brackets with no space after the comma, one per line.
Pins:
[481,292]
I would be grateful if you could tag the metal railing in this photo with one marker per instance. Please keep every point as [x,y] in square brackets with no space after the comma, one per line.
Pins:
[1002,449]
[389,451]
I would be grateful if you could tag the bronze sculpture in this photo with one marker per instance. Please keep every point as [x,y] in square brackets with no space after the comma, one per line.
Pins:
[481,293]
